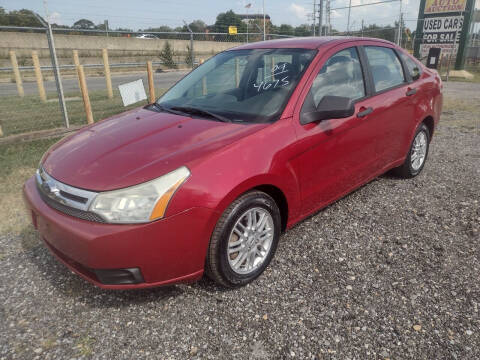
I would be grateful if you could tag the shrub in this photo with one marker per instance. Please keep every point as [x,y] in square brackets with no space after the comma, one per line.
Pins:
[166,55]
[188,57]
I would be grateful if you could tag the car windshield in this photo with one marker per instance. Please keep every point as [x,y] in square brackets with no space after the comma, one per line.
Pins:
[240,85]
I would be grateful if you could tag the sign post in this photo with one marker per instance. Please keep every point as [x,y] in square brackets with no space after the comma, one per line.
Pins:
[444,24]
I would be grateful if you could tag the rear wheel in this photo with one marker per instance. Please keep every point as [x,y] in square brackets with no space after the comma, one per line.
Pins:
[417,155]
[244,240]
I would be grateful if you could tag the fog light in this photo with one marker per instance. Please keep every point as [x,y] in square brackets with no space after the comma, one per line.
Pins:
[119,276]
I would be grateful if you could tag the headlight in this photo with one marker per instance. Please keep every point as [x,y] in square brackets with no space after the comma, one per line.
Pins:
[140,203]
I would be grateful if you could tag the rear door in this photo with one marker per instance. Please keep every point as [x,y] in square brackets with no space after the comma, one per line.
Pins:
[392,101]
[336,155]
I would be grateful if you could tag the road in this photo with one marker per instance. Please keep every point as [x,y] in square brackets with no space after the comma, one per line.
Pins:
[162,80]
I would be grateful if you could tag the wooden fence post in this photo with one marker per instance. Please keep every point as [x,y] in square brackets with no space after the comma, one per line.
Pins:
[76,59]
[16,71]
[84,90]
[38,75]
[108,78]
[151,86]
[76,62]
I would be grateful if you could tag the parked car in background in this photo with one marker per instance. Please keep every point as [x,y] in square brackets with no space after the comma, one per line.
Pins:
[241,149]
[146,36]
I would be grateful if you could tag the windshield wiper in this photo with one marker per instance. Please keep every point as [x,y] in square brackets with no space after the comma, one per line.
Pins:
[159,107]
[201,112]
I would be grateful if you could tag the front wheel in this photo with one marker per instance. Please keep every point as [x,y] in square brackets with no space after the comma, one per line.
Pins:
[244,240]
[417,154]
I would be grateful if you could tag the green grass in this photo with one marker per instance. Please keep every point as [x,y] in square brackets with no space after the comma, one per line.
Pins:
[461,113]
[18,162]
[21,115]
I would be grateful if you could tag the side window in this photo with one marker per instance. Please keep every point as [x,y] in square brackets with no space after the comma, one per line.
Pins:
[341,75]
[385,66]
[412,66]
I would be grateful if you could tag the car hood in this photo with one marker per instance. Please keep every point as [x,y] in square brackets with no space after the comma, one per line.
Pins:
[137,146]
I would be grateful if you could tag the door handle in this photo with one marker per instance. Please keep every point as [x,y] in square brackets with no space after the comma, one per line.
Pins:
[411,91]
[364,111]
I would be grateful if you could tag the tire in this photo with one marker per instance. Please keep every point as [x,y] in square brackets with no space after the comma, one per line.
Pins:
[410,168]
[228,269]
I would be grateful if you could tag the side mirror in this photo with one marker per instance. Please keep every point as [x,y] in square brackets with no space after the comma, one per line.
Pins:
[330,107]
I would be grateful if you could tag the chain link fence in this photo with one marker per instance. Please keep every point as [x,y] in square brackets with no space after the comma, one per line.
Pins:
[27,66]
[27,70]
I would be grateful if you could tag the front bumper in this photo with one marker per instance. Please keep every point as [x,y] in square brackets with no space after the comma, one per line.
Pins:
[166,251]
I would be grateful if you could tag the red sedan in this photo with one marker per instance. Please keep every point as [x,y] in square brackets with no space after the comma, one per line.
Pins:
[242,148]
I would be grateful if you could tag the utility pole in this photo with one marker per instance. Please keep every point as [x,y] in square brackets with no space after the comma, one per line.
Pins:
[348,20]
[400,29]
[263,20]
[399,35]
[314,16]
[248,21]
[362,27]
[327,14]
[320,18]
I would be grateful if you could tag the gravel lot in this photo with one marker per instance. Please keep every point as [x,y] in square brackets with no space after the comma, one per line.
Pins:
[391,271]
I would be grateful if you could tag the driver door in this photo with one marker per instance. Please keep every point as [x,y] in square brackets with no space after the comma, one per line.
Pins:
[337,155]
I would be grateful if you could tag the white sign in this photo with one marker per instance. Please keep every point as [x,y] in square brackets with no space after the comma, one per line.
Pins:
[441,32]
[447,49]
[132,92]
[442,24]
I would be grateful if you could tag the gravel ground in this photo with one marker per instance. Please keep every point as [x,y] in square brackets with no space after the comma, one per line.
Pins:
[390,271]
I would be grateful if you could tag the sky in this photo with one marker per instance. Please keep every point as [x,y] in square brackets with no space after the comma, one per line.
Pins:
[141,14]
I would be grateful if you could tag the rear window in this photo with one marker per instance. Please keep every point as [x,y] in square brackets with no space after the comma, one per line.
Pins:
[385,66]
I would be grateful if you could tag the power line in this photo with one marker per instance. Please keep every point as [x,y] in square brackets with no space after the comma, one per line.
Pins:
[355,6]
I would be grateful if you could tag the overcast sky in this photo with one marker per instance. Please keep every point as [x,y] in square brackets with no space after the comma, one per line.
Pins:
[151,13]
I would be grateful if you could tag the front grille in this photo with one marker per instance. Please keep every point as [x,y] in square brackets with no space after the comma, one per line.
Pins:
[73,197]
[67,199]
[81,214]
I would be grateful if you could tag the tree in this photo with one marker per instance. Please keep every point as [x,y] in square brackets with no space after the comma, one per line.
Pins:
[226,19]
[161,28]
[285,29]
[101,26]
[380,32]
[83,24]
[166,55]
[198,26]
[303,30]
[189,57]
[21,17]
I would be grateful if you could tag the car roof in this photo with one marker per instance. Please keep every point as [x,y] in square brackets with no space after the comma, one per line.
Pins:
[312,42]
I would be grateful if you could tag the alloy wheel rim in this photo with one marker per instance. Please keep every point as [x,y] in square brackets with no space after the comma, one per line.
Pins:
[419,150]
[250,241]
